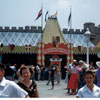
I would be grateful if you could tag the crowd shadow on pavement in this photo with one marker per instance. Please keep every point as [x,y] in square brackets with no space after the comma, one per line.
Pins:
[59,91]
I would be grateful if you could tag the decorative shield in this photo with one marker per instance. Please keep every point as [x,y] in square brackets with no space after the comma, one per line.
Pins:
[80,48]
[56,41]
[11,47]
[28,47]
[92,49]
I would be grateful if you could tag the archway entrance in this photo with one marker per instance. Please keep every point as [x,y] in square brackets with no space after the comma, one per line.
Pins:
[46,51]
[62,62]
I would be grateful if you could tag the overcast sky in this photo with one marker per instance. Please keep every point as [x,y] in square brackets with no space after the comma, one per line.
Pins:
[21,13]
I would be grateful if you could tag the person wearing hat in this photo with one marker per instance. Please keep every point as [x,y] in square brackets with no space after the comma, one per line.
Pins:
[91,67]
[9,89]
[81,81]
[83,64]
[98,73]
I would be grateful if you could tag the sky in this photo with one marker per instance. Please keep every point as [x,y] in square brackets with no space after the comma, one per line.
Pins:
[21,13]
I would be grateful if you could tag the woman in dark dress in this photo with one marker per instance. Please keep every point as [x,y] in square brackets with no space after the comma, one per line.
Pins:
[27,84]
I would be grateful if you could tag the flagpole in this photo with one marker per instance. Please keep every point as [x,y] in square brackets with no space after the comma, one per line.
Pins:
[42,17]
[70,34]
[42,34]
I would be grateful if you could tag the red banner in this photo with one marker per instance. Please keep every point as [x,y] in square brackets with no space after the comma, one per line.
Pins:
[92,49]
[11,47]
[55,50]
[80,48]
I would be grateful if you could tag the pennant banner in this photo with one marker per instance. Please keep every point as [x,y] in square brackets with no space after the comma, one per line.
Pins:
[28,47]
[11,47]
[1,52]
[39,14]
[55,15]
[92,49]
[80,48]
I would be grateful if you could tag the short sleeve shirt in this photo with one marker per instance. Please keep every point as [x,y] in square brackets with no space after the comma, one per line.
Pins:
[85,92]
[70,66]
[9,89]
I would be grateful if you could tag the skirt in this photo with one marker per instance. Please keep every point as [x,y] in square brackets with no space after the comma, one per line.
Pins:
[73,82]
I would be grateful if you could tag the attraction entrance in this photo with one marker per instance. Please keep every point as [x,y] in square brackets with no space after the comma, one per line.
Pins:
[47,54]
[55,59]
[60,60]
[49,49]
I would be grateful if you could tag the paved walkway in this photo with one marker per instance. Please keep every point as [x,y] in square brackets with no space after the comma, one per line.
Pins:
[59,91]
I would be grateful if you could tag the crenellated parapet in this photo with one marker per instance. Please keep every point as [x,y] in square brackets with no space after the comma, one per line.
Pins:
[72,31]
[31,29]
[38,29]
[92,28]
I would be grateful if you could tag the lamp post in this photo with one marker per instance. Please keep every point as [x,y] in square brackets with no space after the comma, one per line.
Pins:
[88,34]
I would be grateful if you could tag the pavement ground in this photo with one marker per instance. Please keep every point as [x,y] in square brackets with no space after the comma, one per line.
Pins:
[59,91]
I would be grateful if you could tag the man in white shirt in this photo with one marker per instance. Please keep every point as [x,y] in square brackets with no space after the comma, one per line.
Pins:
[90,90]
[9,89]
[85,92]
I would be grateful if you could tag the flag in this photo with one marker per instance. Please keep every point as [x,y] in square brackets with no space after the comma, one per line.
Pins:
[46,16]
[92,49]
[28,47]
[80,48]
[39,14]
[69,19]
[55,15]
[11,47]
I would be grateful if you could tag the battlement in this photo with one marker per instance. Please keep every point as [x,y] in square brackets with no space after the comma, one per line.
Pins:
[73,31]
[31,29]
[92,28]
[38,29]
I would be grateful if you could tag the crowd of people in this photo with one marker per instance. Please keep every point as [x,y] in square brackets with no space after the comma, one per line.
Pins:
[76,79]
[81,79]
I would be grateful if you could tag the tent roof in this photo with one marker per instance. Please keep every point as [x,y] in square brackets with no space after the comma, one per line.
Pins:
[51,30]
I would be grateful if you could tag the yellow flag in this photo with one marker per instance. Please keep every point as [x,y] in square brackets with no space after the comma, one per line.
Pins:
[54,15]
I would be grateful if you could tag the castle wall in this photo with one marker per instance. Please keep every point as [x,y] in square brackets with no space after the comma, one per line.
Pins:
[92,28]
[73,31]
[38,29]
[31,29]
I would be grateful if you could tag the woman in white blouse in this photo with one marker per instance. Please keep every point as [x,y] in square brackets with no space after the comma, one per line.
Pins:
[90,90]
